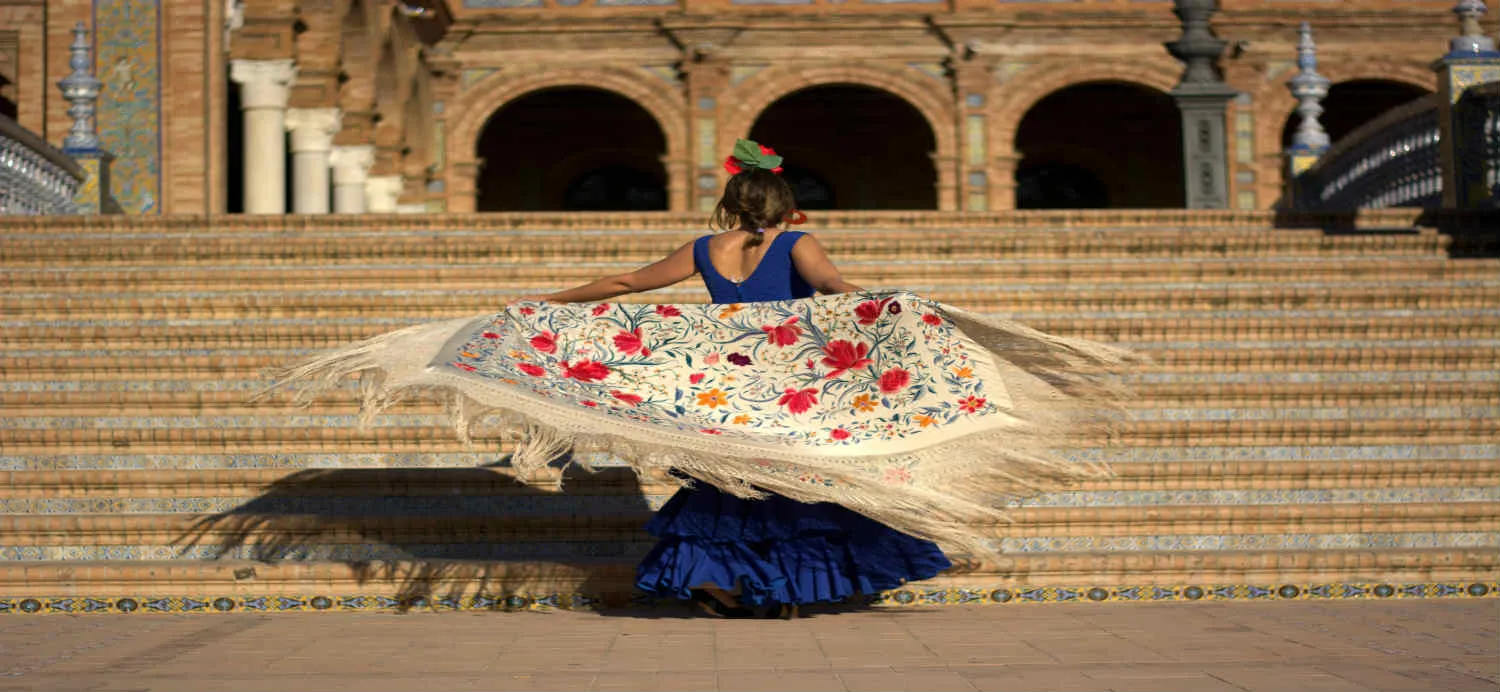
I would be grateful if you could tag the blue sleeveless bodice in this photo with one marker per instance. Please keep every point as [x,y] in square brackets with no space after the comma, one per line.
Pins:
[775,278]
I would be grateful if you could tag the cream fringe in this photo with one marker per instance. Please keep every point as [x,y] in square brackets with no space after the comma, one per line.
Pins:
[1063,392]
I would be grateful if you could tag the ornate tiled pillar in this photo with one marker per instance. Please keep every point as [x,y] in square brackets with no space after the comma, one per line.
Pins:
[1311,140]
[312,144]
[972,78]
[351,171]
[264,90]
[1471,60]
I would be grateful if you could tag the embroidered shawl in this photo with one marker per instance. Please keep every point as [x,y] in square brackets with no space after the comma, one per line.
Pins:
[922,416]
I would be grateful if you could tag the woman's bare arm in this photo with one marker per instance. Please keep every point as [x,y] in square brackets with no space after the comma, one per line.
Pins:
[813,264]
[664,272]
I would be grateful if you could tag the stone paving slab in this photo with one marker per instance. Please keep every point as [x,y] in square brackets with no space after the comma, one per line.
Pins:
[1296,646]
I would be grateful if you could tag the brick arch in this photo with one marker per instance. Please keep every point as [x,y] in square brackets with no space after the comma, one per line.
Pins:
[1016,97]
[486,98]
[752,97]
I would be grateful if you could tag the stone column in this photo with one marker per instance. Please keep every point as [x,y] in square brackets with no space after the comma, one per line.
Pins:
[312,142]
[264,90]
[382,193]
[351,170]
[1203,98]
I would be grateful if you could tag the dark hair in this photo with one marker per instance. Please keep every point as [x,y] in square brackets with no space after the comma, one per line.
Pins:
[754,199]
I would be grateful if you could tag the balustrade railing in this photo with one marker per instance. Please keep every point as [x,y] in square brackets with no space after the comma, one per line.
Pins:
[1392,161]
[35,178]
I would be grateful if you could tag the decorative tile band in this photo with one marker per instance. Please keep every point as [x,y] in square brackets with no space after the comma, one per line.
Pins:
[533,550]
[139,604]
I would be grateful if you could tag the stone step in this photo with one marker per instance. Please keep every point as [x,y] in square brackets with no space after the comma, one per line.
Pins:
[292,436]
[1175,297]
[192,247]
[181,399]
[488,490]
[196,460]
[1146,331]
[1034,273]
[611,581]
[328,524]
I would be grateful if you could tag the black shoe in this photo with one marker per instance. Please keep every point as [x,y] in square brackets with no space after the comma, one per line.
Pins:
[713,607]
[783,611]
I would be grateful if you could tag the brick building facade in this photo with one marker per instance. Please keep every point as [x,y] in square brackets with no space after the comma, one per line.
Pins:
[632,104]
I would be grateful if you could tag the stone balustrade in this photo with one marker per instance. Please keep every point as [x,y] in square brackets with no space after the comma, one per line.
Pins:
[1392,161]
[35,178]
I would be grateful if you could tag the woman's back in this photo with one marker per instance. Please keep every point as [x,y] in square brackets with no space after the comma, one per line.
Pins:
[773,277]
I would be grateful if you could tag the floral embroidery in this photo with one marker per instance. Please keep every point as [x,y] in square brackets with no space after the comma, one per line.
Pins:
[838,370]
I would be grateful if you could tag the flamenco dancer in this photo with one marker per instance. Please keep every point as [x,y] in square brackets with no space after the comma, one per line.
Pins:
[724,552]
[828,445]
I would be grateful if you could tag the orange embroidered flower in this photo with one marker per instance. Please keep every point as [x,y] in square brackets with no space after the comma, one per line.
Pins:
[924,421]
[730,311]
[963,372]
[742,419]
[713,398]
[864,403]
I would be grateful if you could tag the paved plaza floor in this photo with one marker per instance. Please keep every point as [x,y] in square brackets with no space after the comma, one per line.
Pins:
[1198,647]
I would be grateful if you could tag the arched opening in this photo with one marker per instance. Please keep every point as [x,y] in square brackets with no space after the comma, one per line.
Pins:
[1101,145]
[234,148]
[8,106]
[572,149]
[852,147]
[1354,103]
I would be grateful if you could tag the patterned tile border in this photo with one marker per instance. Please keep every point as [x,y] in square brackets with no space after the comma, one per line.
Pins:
[142,604]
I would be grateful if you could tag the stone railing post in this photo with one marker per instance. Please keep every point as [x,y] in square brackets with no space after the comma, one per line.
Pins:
[1203,99]
[81,90]
[1311,141]
[1471,60]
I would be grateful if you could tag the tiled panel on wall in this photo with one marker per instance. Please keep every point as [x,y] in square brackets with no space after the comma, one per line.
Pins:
[127,50]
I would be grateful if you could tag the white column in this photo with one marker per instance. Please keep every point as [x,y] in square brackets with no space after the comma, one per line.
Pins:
[264,89]
[381,193]
[312,141]
[351,170]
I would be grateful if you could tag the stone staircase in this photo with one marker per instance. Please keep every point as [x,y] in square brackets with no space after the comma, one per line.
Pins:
[1323,423]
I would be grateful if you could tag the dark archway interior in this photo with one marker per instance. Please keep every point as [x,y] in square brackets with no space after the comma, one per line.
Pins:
[8,106]
[234,149]
[852,147]
[1354,103]
[572,149]
[1101,145]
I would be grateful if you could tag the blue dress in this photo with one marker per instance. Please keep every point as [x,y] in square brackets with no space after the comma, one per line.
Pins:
[777,550]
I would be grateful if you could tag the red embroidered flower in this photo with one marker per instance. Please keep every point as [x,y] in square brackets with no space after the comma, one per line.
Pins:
[933,320]
[600,309]
[530,369]
[971,404]
[739,359]
[528,311]
[711,431]
[589,404]
[842,355]
[490,335]
[798,401]
[894,380]
[464,366]
[869,311]
[695,378]
[784,334]
[839,434]
[631,399]
[546,342]
[667,311]
[629,342]
[586,371]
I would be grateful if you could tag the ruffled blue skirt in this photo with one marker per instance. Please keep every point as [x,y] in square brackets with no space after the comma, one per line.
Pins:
[778,550]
